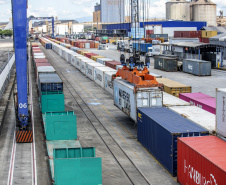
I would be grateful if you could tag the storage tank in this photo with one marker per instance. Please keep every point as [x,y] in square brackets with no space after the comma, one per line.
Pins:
[204,10]
[178,10]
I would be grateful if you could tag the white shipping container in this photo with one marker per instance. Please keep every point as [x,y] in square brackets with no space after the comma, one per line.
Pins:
[78,60]
[155,75]
[39,54]
[108,82]
[73,58]
[221,112]
[197,115]
[68,55]
[128,101]
[90,69]
[37,57]
[103,60]
[170,100]
[119,67]
[87,45]
[83,63]
[99,74]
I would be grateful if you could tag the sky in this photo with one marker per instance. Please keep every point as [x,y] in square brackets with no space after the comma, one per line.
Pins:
[81,10]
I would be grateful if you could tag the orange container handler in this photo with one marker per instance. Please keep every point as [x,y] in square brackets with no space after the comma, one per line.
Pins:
[141,79]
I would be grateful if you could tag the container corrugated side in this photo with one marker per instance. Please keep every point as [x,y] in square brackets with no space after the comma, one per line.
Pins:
[83,63]
[174,88]
[73,58]
[77,61]
[221,112]
[158,130]
[200,100]
[201,160]
[198,116]
[108,81]
[99,74]
[90,69]
[128,101]
[197,67]
[103,60]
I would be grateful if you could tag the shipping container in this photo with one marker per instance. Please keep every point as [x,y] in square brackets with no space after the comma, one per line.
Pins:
[44,69]
[78,60]
[52,102]
[197,67]
[103,60]
[165,63]
[144,47]
[99,74]
[119,67]
[73,58]
[39,57]
[83,63]
[68,55]
[87,45]
[221,112]
[37,64]
[155,75]
[201,160]
[187,34]
[90,54]
[199,116]
[170,100]
[90,67]
[208,34]
[112,64]
[60,125]
[96,57]
[41,60]
[158,130]
[174,88]
[69,163]
[50,82]
[129,101]
[108,81]
[200,100]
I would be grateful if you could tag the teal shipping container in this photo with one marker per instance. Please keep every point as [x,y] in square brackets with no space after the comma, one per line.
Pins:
[52,102]
[73,165]
[60,125]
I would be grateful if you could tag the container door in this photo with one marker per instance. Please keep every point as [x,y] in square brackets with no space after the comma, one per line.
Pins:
[143,99]
[155,98]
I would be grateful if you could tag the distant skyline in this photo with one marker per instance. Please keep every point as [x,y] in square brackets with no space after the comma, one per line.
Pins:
[81,10]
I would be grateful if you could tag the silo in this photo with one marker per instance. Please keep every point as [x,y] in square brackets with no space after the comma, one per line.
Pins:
[178,10]
[204,10]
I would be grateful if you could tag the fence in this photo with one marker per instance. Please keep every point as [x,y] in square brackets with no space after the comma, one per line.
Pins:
[5,72]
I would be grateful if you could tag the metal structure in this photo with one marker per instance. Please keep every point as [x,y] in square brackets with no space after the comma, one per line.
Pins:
[19,10]
[204,10]
[134,13]
[41,18]
[178,10]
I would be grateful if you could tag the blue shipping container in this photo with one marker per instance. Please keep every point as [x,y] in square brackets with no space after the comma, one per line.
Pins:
[158,130]
[50,82]
[144,47]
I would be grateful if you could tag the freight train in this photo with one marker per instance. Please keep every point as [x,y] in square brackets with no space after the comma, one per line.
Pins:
[69,162]
[177,135]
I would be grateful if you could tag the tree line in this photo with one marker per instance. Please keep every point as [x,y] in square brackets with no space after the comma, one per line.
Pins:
[6,32]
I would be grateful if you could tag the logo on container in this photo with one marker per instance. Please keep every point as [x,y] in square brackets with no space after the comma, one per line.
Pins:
[190,67]
[99,77]
[197,176]
[90,71]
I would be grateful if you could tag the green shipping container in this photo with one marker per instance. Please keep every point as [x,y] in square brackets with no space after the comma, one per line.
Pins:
[60,125]
[52,102]
[73,165]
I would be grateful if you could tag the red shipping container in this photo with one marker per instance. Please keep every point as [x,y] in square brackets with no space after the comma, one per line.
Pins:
[201,161]
[204,40]
[149,32]
[92,45]
[187,34]
[112,64]
[90,54]
[200,100]
[41,60]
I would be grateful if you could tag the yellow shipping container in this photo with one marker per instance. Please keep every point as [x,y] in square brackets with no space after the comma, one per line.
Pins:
[208,34]
[174,88]
[96,57]
[83,51]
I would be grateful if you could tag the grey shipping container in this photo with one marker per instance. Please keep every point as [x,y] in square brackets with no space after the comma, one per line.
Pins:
[165,63]
[50,83]
[128,101]
[158,130]
[197,67]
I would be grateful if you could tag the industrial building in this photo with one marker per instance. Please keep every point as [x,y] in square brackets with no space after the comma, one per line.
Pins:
[195,10]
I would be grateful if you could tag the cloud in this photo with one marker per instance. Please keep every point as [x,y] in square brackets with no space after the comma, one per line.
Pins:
[42,12]
[4,1]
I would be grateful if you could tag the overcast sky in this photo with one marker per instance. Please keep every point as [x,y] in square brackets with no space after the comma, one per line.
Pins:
[79,9]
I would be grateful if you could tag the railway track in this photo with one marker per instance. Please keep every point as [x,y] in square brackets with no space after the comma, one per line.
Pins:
[134,175]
